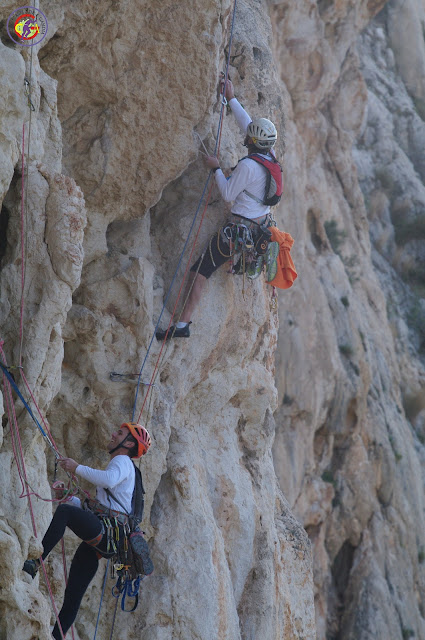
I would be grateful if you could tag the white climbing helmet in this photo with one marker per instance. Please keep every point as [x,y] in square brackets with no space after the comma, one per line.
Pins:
[262,132]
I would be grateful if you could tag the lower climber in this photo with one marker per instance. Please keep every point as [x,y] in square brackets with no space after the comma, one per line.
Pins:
[129,441]
[246,188]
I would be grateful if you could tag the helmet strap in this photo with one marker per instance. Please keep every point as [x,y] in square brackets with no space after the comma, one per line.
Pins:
[120,444]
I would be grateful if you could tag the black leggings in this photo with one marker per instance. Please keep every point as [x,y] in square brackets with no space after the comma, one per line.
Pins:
[217,253]
[84,563]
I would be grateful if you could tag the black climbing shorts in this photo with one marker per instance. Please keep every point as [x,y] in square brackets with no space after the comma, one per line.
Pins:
[216,254]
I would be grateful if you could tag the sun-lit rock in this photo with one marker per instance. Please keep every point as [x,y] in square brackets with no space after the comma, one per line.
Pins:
[284,487]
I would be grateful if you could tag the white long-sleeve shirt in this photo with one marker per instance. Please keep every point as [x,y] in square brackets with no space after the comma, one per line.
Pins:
[249,175]
[119,477]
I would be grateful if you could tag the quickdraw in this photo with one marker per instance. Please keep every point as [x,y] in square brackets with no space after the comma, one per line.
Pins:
[27,88]
[121,377]
[110,537]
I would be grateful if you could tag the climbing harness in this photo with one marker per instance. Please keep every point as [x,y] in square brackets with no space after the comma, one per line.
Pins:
[126,547]
[247,243]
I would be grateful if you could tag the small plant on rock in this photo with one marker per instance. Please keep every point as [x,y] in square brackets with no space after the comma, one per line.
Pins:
[328,476]
[346,350]
[336,237]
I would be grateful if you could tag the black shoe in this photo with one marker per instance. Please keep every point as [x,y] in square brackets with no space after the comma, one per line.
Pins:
[173,332]
[31,567]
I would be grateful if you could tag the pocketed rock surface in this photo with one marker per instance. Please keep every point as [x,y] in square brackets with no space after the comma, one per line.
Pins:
[284,487]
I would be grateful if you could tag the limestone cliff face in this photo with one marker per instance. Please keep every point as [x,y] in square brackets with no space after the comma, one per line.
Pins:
[349,447]
[332,384]
[131,82]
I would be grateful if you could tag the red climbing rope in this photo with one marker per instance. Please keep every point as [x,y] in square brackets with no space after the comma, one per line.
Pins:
[21,324]
[10,406]
[176,303]
[46,579]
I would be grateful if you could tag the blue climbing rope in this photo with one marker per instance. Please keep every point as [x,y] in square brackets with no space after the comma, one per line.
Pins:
[26,405]
[101,599]
[223,104]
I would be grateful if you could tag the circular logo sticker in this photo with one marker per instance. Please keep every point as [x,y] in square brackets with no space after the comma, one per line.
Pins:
[27,26]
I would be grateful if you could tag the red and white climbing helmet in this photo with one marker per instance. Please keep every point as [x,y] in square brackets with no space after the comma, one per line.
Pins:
[140,434]
[262,132]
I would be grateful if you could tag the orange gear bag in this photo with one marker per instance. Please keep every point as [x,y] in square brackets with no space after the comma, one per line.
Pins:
[286,273]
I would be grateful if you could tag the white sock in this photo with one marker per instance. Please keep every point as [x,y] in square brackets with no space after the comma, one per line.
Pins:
[180,325]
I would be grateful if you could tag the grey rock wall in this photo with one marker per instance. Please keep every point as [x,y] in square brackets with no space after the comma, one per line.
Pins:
[231,560]
[349,447]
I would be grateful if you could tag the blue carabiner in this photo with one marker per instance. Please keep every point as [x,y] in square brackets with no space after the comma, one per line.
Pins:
[128,591]
[133,587]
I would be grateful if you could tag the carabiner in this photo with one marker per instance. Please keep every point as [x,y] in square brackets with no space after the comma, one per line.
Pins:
[27,93]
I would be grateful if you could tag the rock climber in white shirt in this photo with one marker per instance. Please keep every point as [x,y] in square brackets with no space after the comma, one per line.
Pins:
[129,441]
[245,188]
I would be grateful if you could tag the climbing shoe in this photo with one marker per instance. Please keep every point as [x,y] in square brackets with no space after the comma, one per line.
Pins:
[173,332]
[141,555]
[31,567]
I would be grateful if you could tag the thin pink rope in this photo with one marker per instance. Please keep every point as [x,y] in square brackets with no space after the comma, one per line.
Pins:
[51,597]
[21,320]
[65,573]
[20,463]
